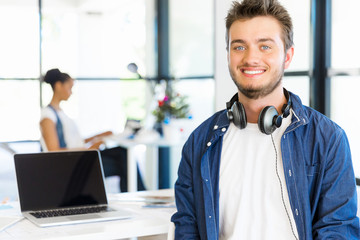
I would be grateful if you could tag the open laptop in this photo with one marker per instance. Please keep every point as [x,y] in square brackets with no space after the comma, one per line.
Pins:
[67,187]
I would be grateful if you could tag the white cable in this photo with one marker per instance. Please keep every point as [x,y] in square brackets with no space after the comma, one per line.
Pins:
[281,188]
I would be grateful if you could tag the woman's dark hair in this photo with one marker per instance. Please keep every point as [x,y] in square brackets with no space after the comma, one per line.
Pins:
[54,75]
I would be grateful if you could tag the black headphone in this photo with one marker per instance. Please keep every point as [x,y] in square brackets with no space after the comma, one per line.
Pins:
[269,119]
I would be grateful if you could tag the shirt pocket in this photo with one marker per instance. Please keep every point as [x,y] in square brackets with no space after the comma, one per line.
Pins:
[312,170]
[312,173]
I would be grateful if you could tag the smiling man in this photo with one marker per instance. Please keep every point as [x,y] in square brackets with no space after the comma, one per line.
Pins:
[267,167]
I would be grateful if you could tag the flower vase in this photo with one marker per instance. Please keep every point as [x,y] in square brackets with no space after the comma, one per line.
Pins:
[177,129]
[159,128]
[171,131]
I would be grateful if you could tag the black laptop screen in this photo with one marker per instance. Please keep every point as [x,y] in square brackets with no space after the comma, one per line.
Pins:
[59,179]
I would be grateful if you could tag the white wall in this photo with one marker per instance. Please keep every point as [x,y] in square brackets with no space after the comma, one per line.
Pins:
[224,86]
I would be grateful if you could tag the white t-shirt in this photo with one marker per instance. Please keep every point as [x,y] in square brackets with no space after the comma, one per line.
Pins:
[251,205]
[72,135]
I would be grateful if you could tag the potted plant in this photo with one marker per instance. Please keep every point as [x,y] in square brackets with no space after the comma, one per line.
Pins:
[171,111]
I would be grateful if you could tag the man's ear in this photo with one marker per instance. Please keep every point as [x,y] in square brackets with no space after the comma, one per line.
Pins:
[288,57]
[228,53]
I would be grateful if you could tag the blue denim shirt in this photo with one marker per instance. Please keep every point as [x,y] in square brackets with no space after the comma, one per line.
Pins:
[318,172]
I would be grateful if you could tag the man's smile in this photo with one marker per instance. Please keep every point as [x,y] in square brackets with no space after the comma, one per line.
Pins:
[253,72]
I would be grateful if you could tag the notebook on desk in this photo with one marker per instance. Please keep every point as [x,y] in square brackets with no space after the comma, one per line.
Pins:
[67,187]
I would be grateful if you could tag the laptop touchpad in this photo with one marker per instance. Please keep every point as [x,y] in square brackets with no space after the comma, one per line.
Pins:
[89,216]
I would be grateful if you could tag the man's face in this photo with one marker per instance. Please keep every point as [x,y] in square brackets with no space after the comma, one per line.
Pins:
[256,55]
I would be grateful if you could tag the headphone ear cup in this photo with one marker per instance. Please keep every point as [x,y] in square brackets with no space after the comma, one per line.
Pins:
[239,115]
[266,120]
[230,115]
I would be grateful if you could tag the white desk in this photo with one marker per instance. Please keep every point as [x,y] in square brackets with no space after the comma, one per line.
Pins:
[152,162]
[147,222]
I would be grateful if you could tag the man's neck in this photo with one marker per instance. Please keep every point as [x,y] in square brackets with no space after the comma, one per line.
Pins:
[253,107]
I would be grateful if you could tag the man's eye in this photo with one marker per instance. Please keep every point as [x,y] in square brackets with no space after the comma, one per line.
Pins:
[240,48]
[265,47]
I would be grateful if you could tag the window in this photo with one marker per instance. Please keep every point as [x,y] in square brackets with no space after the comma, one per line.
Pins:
[300,15]
[297,78]
[19,66]
[299,85]
[19,23]
[345,65]
[191,50]
[344,36]
[93,41]
[191,38]
[20,111]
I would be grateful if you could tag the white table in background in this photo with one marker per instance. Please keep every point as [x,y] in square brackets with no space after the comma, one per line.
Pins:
[153,162]
[146,222]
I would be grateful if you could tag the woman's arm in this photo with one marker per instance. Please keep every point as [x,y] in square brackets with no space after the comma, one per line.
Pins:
[48,131]
[98,136]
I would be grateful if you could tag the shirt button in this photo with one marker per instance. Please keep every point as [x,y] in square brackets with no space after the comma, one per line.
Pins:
[206,180]
[209,144]
[216,127]
[296,212]
[290,173]
[223,129]
[209,216]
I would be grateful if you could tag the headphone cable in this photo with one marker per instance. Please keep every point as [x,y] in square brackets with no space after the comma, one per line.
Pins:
[281,188]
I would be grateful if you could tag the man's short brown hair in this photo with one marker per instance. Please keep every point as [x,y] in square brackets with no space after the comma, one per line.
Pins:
[248,9]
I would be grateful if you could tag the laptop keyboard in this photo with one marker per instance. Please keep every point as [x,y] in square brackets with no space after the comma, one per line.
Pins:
[69,211]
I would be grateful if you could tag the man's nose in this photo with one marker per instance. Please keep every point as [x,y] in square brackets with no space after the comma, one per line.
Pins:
[252,56]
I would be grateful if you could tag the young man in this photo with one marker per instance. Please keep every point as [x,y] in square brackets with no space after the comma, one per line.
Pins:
[267,167]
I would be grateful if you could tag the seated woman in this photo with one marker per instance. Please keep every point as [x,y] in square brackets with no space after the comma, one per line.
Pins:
[59,132]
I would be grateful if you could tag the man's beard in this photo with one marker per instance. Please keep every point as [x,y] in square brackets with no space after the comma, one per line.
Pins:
[254,93]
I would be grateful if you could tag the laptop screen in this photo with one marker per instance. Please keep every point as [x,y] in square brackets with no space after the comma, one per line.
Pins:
[59,179]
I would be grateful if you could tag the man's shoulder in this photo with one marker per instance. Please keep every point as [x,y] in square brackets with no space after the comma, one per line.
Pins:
[313,119]
[218,118]
[205,130]
[320,120]
[308,114]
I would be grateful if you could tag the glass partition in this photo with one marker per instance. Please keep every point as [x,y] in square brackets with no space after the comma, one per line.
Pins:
[345,34]
[19,48]
[299,86]
[20,112]
[191,26]
[344,89]
[93,38]
[343,111]
[300,14]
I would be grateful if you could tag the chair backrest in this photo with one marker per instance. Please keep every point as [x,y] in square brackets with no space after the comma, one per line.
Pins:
[358,198]
[6,147]
[43,145]
[171,232]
